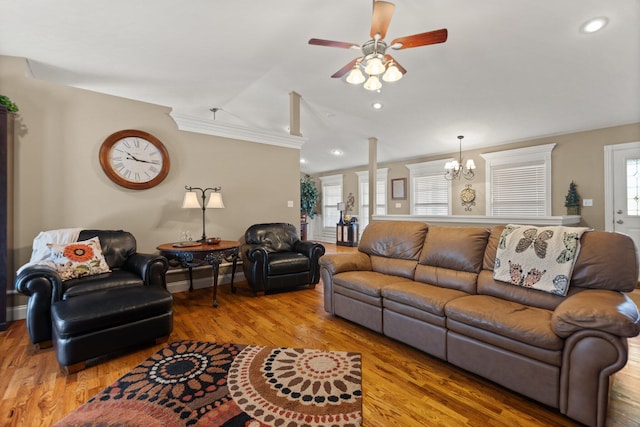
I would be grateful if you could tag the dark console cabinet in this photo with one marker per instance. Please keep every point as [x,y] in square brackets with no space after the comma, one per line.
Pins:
[347,234]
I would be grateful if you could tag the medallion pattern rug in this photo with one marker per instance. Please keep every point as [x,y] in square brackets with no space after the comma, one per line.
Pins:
[194,383]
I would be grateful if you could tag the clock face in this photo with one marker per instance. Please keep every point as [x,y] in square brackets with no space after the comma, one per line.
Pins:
[134,159]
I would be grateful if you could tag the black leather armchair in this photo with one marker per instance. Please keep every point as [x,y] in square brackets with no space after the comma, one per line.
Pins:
[274,258]
[129,268]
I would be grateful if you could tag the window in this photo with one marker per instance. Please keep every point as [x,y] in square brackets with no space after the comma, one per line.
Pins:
[519,181]
[363,196]
[331,196]
[430,191]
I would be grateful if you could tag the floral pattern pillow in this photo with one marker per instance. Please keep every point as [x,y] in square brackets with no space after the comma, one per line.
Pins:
[79,259]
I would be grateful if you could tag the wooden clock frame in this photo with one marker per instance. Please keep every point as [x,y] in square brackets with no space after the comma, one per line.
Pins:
[105,160]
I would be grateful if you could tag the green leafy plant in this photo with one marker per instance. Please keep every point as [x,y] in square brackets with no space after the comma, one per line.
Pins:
[308,196]
[572,199]
[11,106]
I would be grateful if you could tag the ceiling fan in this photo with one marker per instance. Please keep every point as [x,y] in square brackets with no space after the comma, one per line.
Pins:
[375,60]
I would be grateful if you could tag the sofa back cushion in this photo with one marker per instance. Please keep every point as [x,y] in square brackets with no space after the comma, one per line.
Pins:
[394,239]
[393,246]
[275,237]
[606,261]
[452,257]
[117,245]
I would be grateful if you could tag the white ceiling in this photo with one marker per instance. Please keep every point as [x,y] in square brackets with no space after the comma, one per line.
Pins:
[509,71]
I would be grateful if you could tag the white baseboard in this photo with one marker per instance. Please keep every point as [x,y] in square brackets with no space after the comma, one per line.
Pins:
[19,312]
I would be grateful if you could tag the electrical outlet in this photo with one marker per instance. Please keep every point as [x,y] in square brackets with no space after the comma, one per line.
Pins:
[290,203]
[587,202]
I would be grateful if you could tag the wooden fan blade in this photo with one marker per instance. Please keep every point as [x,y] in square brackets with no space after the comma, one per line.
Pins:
[400,67]
[344,70]
[430,37]
[331,43]
[382,13]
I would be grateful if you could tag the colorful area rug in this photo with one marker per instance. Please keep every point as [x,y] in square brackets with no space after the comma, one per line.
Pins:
[192,383]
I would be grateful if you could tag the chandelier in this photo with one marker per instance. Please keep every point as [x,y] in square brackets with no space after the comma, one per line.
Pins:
[454,168]
[374,63]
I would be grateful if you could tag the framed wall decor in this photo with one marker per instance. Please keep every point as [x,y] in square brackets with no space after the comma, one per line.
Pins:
[399,188]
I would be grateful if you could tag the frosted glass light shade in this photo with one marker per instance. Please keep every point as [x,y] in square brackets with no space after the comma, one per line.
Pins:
[373,83]
[471,164]
[392,74]
[215,201]
[355,76]
[374,66]
[190,200]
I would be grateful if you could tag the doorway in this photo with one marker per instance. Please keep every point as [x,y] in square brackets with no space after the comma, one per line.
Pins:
[622,190]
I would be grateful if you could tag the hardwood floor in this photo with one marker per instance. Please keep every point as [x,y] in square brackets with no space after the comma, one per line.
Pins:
[402,386]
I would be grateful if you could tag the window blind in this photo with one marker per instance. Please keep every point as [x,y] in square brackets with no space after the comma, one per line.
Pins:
[519,189]
[431,195]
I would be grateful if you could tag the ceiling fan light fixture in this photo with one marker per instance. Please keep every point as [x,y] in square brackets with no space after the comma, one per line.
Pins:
[374,66]
[392,74]
[373,83]
[355,76]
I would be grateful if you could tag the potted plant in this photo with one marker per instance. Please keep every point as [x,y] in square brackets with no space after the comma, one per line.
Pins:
[572,200]
[11,106]
[308,196]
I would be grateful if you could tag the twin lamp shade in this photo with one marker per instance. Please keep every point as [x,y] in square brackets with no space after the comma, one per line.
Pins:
[190,201]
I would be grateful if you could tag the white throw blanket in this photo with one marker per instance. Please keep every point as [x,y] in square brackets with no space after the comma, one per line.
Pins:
[41,253]
[538,257]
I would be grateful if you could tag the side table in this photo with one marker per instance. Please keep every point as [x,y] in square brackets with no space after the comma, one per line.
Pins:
[194,254]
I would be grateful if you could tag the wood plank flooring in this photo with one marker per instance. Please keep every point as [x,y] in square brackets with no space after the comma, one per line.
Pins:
[402,386]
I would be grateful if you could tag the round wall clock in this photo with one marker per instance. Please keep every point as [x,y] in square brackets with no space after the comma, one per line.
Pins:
[134,159]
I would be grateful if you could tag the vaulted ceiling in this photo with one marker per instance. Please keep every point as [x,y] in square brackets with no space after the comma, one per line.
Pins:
[509,71]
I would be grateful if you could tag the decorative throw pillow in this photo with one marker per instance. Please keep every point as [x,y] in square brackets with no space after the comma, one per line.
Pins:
[79,259]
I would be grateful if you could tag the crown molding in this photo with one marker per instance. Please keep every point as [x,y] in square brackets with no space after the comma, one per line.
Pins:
[225,130]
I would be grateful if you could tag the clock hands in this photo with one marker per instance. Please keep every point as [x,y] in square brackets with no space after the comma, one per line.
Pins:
[132,157]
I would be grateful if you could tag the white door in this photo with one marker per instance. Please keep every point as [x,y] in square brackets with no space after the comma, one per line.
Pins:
[624,175]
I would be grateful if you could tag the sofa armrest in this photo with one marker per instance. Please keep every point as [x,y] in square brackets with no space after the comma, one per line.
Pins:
[333,264]
[599,309]
[348,261]
[43,286]
[151,268]
[314,251]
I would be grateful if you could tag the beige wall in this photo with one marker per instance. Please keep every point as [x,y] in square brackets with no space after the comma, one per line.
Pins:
[576,156]
[59,181]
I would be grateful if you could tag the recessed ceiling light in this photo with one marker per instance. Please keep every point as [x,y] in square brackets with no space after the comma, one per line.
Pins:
[337,152]
[376,105]
[302,161]
[595,24]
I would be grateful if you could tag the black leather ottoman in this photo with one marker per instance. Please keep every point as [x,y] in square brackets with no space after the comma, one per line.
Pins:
[103,322]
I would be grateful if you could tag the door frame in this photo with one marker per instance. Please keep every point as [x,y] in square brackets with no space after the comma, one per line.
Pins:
[608,180]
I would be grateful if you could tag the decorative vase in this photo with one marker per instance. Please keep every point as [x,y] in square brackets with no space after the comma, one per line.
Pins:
[573,210]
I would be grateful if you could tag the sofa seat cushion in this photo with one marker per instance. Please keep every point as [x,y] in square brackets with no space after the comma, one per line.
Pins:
[287,263]
[422,296]
[366,282]
[523,323]
[105,309]
[115,279]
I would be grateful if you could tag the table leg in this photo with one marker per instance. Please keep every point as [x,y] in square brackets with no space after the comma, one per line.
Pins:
[216,269]
[233,273]
[190,278]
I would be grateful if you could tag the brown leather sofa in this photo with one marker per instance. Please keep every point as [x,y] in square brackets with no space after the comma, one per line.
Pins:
[433,288]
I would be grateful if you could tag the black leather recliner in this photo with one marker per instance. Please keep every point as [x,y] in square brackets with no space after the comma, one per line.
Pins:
[274,258]
[129,268]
